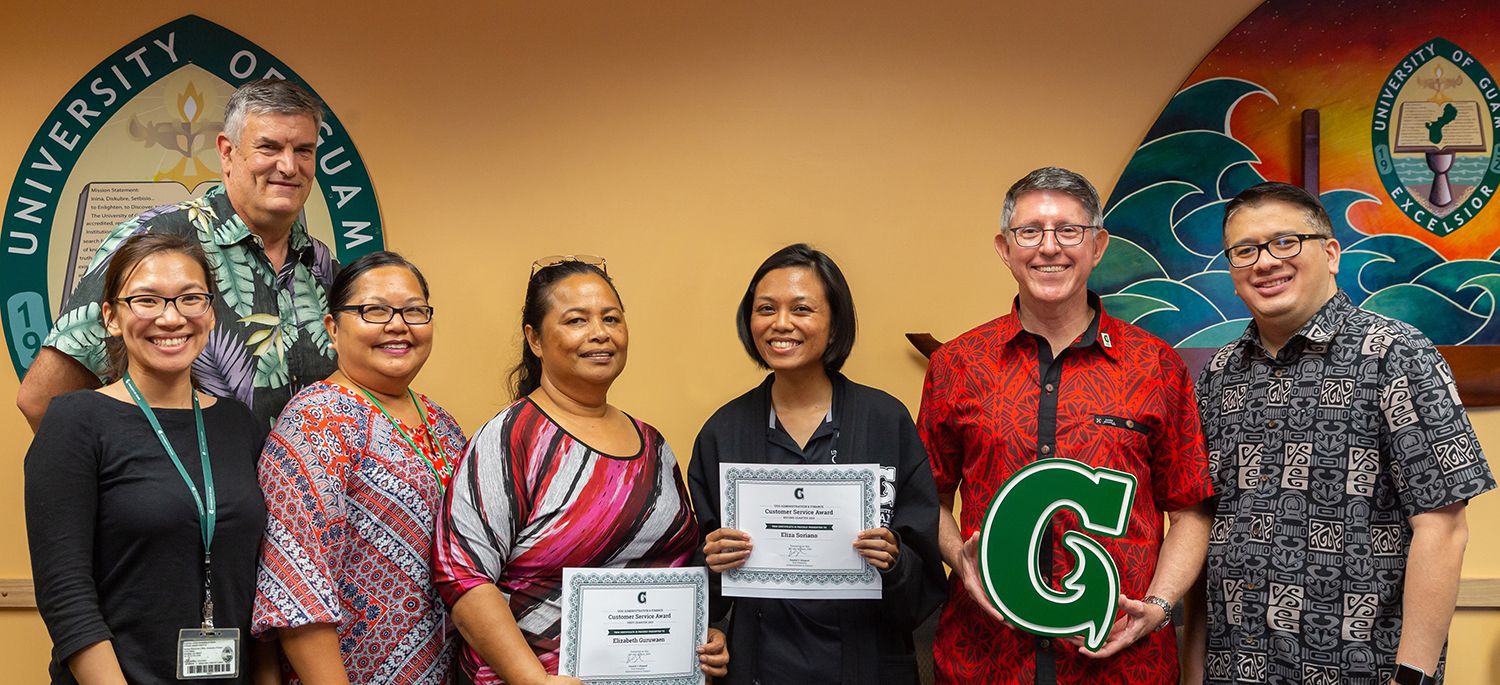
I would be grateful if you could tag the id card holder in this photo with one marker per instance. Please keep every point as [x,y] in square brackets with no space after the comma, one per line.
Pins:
[208,653]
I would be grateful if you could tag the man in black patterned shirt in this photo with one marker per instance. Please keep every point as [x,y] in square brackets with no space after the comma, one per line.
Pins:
[1340,450]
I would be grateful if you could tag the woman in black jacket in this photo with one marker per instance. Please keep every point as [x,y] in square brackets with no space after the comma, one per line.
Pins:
[797,319]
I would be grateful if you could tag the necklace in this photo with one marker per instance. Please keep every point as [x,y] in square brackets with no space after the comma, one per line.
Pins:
[430,460]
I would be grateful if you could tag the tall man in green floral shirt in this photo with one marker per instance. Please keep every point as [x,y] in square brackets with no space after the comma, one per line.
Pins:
[268,340]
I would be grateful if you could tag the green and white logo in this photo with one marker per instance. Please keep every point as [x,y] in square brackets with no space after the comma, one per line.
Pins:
[1434,136]
[137,132]
[1010,545]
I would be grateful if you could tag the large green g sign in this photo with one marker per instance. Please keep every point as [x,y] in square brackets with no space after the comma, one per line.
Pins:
[1010,542]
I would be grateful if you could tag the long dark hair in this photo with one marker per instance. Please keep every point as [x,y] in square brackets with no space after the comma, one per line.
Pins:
[526,376]
[122,264]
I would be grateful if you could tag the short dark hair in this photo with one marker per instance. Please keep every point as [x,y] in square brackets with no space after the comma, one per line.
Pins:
[1276,191]
[842,321]
[526,375]
[343,284]
[122,264]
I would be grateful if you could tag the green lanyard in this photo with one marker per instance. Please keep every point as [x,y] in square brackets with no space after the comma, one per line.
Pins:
[431,435]
[207,515]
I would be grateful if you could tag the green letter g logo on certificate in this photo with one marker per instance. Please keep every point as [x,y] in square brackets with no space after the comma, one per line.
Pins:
[1010,545]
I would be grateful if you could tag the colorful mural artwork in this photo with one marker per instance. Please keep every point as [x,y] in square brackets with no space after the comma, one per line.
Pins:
[1409,111]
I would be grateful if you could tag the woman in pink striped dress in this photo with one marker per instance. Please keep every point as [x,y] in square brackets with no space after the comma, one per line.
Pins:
[560,478]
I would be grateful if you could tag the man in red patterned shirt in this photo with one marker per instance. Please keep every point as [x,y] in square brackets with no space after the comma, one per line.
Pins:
[1058,377]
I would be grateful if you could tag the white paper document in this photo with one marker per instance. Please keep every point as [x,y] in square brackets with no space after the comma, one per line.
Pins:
[634,626]
[802,521]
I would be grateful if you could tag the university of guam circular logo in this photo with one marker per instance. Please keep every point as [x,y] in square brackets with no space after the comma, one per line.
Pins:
[137,132]
[1434,136]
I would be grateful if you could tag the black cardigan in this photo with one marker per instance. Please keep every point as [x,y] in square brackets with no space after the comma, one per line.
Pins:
[874,427]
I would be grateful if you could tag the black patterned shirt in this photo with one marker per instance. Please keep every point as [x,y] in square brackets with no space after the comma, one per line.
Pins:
[1321,455]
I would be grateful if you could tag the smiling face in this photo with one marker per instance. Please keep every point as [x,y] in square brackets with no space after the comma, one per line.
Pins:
[583,337]
[269,173]
[382,356]
[1282,294]
[790,319]
[1051,275]
[165,345]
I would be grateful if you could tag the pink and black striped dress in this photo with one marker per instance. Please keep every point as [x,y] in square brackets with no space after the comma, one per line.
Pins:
[529,499]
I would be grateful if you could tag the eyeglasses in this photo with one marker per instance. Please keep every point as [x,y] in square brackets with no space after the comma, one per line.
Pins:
[152,306]
[555,259]
[1067,235]
[1280,247]
[414,315]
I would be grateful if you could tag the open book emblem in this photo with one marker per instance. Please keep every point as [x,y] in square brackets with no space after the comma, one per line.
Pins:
[1433,136]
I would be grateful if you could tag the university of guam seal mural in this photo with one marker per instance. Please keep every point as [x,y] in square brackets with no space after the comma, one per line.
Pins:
[137,132]
[1434,136]
[1409,167]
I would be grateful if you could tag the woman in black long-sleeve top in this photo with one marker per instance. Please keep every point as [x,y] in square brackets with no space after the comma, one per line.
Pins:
[117,545]
[797,319]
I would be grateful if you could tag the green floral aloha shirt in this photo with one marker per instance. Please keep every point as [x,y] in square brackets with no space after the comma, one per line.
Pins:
[269,341]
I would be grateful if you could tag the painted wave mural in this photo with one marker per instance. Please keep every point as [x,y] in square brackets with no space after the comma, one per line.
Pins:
[1164,270]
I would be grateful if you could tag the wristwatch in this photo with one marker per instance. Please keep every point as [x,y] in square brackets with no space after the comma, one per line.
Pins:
[1406,674]
[1166,609]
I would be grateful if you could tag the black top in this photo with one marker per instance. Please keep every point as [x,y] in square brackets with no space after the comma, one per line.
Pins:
[869,639]
[116,550]
[799,639]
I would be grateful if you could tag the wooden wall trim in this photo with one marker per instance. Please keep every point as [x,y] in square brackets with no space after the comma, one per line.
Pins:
[16,593]
[1479,593]
[1475,372]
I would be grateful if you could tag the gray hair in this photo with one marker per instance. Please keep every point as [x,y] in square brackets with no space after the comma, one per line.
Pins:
[269,96]
[1059,180]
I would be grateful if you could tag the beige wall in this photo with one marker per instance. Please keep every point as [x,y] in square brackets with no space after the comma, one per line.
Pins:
[686,141]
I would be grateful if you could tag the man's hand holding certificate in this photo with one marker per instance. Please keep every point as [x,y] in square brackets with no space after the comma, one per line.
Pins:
[806,523]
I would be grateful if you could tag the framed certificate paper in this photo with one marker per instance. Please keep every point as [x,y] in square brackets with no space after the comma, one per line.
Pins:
[634,626]
[802,522]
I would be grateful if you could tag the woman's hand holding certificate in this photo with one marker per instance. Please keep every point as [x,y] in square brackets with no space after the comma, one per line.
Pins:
[812,527]
[625,626]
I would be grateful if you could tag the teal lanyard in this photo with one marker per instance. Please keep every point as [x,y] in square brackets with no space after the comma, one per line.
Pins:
[431,436]
[207,514]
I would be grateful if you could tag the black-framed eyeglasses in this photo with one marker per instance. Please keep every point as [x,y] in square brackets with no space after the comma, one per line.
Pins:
[152,306]
[1066,235]
[555,259]
[1280,247]
[414,315]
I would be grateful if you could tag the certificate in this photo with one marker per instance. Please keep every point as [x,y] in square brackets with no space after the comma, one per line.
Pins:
[802,522]
[634,626]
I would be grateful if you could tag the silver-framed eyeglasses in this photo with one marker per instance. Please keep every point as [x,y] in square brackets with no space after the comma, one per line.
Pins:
[555,259]
[414,315]
[152,306]
[1067,235]
[1280,247]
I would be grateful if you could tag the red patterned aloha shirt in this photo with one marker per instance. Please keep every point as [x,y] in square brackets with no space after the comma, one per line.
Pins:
[994,400]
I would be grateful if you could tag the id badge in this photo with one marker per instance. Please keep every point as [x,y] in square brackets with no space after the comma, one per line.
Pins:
[208,653]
